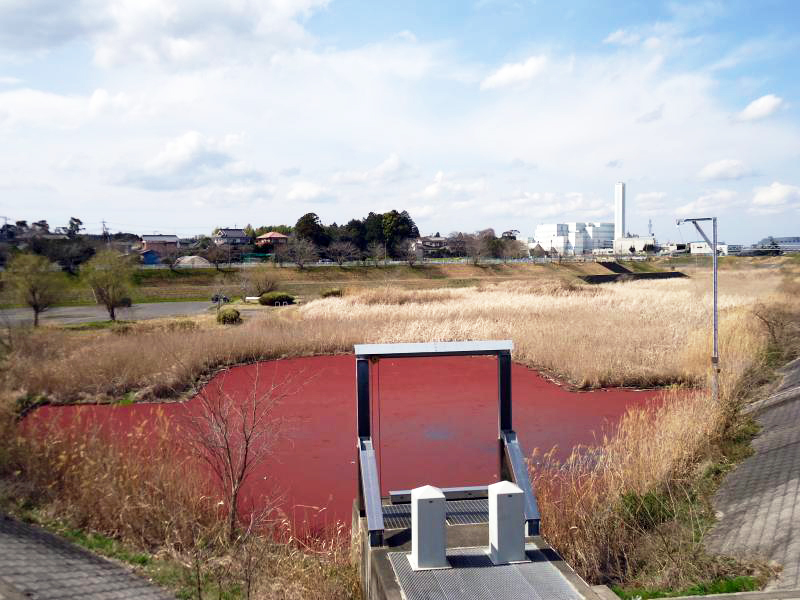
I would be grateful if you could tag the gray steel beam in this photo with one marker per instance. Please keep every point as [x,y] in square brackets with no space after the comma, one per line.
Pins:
[362,395]
[371,488]
[504,391]
[519,471]
[453,493]
[433,349]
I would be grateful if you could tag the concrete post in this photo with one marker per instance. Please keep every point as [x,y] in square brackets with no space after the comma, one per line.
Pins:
[506,523]
[427,528]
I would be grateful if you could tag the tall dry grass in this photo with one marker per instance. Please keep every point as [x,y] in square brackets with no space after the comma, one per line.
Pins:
[628,510]
[585,515]
[148,490]
[645,333]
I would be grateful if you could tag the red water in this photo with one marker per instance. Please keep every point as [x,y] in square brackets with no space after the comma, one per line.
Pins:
[434,421]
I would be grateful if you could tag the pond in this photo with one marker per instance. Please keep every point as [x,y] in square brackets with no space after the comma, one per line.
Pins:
[434,422]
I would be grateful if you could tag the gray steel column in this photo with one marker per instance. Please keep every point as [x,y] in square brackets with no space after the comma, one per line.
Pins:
[715,355]
[504,391]
[364,419]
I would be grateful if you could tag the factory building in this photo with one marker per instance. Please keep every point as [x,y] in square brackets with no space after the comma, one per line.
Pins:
[593,238]
[722,248]
[573,238]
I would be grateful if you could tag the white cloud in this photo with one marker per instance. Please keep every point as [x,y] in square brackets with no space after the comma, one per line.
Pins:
[651,116]
[651,203]
[725,169]
[544,206]
[444,186]
[623,37]
[515,73]
[26,107]
[390,169]
[710,204]
[10,81]
[761,108]
[307,191]
[158,31]
[189,161]
[775,198]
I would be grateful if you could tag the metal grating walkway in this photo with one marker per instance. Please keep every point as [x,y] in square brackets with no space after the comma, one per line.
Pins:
[459,512]
[474,577]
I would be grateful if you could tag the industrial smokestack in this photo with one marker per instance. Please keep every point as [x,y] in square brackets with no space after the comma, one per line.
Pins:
[619,210]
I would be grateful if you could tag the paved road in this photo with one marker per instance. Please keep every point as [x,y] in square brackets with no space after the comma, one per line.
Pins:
[71,315]
[38,565]
[760,499]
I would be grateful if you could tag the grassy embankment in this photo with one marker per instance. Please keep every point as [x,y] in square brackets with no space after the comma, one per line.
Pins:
[164,285]
[635,514]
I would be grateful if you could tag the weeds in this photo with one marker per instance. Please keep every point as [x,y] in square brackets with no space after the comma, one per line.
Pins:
[641,334]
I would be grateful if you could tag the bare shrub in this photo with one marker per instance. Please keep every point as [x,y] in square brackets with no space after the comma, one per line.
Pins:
[257,281]
[343,252]
[234,436]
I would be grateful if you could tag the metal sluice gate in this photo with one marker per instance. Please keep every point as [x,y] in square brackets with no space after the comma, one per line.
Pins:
[469,527]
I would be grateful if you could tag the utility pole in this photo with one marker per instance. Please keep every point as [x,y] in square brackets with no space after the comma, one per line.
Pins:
[713,243]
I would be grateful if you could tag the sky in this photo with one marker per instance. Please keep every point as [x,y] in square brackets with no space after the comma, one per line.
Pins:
[179,116]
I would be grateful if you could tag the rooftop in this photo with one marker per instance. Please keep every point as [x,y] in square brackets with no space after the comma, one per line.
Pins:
[159,238]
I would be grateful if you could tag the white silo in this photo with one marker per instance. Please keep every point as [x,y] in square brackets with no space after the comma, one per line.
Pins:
[619,210]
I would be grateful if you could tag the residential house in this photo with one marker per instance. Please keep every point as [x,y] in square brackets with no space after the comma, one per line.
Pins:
[231,237]
[271,240]
[163,245]
[429,244]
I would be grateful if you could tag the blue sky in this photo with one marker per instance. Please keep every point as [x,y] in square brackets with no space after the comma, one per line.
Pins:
[183,115]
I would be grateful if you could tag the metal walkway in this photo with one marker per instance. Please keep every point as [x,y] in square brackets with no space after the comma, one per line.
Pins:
[473,576]
[459,512]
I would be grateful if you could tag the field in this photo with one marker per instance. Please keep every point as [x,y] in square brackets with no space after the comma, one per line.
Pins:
[598,513]
[154,285]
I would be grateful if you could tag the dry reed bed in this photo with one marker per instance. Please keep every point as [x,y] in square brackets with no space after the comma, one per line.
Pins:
[643,333]
[582,501]
[148,492]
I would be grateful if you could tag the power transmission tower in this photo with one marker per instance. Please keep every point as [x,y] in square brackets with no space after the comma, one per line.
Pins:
[106,235]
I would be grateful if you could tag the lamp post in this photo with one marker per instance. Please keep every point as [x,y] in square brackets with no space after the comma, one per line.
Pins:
[713,243]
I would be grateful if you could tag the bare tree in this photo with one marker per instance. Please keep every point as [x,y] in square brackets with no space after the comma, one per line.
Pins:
[234,436]
[109,274]
[216,255]
[513,249]
[377,252]
[408,252]
[302,251]
[280,254]
[473,247]
[34,283]
[342,252]
[256,281]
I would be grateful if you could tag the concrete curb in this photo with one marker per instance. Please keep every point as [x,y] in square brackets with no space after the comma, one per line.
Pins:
[605,593]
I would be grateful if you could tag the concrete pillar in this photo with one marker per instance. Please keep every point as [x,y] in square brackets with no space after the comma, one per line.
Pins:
[427,528]
[506,523]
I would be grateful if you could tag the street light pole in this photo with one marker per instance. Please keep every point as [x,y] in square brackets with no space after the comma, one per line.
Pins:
[713,243]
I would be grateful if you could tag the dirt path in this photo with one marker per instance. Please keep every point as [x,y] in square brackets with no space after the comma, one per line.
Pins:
[759,501]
